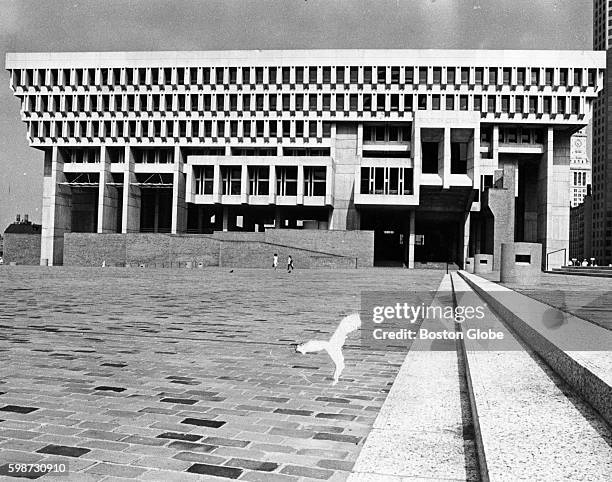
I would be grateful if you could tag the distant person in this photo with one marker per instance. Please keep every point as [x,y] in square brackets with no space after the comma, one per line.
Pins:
[275,261]
[290,266]
[585,262]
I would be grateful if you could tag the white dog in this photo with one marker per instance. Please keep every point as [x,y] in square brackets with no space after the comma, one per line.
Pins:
[334,346]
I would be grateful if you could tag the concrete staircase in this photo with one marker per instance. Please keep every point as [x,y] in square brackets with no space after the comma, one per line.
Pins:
[536,406]
[597,271]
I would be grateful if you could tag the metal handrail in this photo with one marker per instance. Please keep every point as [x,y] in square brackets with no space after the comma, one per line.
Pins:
[557,251]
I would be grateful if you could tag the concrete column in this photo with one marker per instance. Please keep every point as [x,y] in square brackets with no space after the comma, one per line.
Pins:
[217,183]
[554,197]
[411,238]
[346,156]
[272,186]
[108,196]
[225,218]
[130,220]
[56,213]
[466,238]
[300,184]
[179,206]
[244,184]
[444,159]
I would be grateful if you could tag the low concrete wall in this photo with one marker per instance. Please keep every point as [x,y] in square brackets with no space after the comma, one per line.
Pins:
[309,249]
[22,248]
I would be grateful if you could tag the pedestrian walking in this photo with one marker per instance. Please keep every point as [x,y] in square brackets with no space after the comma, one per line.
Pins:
[275,261]
[290,267]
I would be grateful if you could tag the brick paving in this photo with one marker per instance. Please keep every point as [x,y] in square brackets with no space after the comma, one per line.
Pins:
[187,374]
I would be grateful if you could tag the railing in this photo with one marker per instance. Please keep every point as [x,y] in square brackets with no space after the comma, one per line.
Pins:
[557,251]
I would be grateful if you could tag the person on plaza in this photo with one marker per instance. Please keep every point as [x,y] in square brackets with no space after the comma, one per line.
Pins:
[275,261]
[290,266]
[585,262]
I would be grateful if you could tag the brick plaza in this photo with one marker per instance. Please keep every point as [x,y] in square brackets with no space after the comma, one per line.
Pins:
[167,374]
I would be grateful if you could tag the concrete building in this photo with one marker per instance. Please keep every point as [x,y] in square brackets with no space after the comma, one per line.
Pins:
[580,165]
[602,160]
[22,242]
[581,229]
[442,153]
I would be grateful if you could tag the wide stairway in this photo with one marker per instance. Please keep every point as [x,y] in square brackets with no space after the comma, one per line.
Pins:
[534,405]
[598,271]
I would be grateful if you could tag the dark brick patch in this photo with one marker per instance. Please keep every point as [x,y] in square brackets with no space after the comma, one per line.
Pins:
[104,388]
[191,447]
[184,401]
[253,465]
[336,416]
[185,437]
[337,437]
[290,411]
[332,400]
[18,409]
[272,399]
[200,422]
[305,367]
[217,470]
[226,442]
[116,365]
[63,450]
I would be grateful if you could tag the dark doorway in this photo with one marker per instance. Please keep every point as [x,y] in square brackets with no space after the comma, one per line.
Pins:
[436,241]
[391,229]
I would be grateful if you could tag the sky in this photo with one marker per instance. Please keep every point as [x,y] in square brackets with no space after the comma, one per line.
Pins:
[107,25]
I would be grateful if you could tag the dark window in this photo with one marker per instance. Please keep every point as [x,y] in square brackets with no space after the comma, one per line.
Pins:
[492,75]
[507,75]
[450,102]
[450,75]
[422,101]
[463,102]
[535,76]
[381,75]
[435,102]
[246,75]
[465,75]
[339,75]
[312,75]
[549,73]
[326,75]
[367,75]
[299,75]
[272,75]
[479,75]
[409,75]
[437,75]
[354,75]
[429,152]
[422,75]
[380,101]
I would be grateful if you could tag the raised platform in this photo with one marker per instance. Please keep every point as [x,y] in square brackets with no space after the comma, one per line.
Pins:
[597,271]
[308,248]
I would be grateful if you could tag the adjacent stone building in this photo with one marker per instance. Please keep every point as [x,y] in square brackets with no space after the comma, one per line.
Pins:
[22,242]
[443,154]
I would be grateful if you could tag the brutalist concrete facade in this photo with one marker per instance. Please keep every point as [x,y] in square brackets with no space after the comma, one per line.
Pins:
[444,154]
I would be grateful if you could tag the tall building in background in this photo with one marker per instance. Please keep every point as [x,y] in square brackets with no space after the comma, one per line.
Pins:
[580,165]
[602,153]
[443,154]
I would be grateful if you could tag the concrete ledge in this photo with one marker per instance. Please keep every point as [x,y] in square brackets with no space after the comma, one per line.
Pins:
[417,434]
[520,411]
[587,369]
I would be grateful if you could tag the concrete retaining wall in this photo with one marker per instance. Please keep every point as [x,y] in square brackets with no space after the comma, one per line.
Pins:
[309,249]
[22,248]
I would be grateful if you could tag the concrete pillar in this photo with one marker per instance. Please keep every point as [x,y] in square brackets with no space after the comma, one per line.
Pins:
[346,154]
[57,206]
[554,197]
[444,159]
[501,204]
[411,238]
[300,184]
[466,238]
[179,206]
[130,220]
[108,196]
[225,218]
